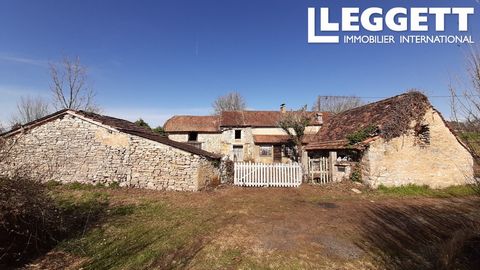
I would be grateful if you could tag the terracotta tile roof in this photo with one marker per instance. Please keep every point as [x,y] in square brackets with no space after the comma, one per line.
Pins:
[258,118]
[187,123]
[337,127]
[336,145]
[308,138]
[328,145]
[273,139]
[118,124]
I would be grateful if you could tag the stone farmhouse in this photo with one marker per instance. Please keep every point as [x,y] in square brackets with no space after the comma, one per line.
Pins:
[241,135]
[76,146]
[403,140]
[399,140]
[396,141]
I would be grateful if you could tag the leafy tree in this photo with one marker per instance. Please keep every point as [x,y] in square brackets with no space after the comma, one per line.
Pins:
[159,130]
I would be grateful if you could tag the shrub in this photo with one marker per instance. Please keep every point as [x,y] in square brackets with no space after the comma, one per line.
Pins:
[29,219]
[356,175]
[361,135]
[32,222]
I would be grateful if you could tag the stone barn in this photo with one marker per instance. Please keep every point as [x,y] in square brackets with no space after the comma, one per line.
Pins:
[396,141]
[76,146]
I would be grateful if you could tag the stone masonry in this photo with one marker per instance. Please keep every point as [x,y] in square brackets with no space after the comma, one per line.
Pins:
[74,149]
[403,160]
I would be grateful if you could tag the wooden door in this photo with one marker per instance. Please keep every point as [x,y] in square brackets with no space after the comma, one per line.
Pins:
[277,153]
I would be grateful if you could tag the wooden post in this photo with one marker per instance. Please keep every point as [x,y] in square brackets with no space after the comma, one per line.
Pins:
[332,158]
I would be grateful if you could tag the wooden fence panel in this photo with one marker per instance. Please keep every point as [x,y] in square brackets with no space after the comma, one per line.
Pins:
[319,170]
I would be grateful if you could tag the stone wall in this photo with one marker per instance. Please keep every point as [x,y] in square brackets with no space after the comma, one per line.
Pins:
[72,149]
[211,142]
[403,160]
[228,139]
[222,143]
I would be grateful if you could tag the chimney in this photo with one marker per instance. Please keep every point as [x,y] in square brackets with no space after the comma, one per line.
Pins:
[320,118]
[282,108]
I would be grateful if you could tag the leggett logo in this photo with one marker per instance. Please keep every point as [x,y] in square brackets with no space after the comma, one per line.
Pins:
[398,19]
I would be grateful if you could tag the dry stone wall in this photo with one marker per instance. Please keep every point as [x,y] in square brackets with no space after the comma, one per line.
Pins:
[72,149]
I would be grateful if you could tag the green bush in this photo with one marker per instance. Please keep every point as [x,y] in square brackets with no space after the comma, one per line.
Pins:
[361,135]
[356,175]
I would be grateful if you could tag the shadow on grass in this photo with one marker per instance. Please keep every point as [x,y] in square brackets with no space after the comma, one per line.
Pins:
[32,222]
[423,237]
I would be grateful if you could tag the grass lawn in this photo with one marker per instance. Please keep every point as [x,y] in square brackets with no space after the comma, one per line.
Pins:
[311,227]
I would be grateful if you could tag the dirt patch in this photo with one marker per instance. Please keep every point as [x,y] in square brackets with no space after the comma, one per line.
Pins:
[275,228]
[334,245]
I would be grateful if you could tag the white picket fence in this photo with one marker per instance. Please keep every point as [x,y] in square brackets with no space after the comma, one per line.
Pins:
[267,175]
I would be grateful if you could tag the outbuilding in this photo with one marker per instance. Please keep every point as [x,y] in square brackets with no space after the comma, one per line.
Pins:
[77,146]
[393,142]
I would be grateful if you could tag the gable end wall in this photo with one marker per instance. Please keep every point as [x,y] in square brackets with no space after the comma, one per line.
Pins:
[402,161]
[70,149]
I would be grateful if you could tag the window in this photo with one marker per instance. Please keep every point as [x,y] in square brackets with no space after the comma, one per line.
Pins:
[265,150]
[237,153]
[238,134]
[192,136]
[423,135]
[288,150]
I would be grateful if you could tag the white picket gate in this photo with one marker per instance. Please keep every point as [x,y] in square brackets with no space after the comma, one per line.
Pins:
[267,175]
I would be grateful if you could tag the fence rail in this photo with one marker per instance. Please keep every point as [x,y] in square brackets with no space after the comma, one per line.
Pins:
[267,175]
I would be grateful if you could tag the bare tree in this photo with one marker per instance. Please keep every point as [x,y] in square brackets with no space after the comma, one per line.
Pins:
[29,109]
[232,101]
[465,109]
[70,87]
[336,104]
[294,124]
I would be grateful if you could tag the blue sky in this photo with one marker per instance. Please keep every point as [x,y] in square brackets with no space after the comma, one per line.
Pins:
[153,59]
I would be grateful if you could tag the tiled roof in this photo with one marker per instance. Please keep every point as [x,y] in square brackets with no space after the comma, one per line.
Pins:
[118,124]
[327,145]
[187,123]
[273,139]
[334,145]
[258,118]
[337,127]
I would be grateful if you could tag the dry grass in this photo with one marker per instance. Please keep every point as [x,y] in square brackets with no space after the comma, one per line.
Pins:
[235,228]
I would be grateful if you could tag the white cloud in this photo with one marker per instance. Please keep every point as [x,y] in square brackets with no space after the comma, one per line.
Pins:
[153,116]
[23,60]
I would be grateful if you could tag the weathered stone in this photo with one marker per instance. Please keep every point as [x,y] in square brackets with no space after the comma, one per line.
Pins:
[403,160]
[71,149]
